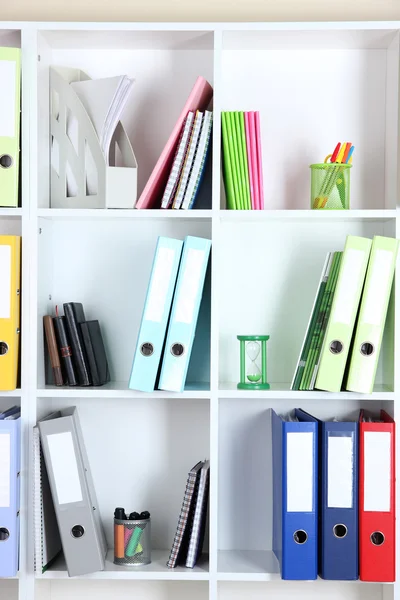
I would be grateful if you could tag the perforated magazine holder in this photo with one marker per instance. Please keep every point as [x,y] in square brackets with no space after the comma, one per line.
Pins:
[80,177]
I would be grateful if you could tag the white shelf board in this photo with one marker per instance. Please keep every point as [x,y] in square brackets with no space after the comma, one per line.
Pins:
[93,214]
[119,389]
[307,215]
[248,565]
[10,213]
[283,391]
[156,570]
[11,394]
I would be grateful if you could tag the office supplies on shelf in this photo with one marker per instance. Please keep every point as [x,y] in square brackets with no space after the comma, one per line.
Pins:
[75,316]
[10,300]
[184,313]
[132,539]
[10,105]
[60,328]
[73,493]
[199,517]
[372,316]
[199,162]
[53,350]
[156,313]
[199,99]
[95,352]
[345,305]
[377,498]
[10,448]
[295,498]
[46,533]
[182,535]
[85,129]
[330,184]
[242,160]
[189,158]
[178,163]
[253,353]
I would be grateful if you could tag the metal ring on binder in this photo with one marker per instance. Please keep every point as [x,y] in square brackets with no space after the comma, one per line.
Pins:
[4,534]
[377,538]
[367,349]
[3,348]
[147,349]
[6,161]
[300,536]
[177,349]
[336,347]
[340,530]
[77,531]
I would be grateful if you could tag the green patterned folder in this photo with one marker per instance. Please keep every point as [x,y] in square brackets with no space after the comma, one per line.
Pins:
[235,151]
[317,326]
[242,149]
[311,324]
[228,166]
[321,325]
[317,357]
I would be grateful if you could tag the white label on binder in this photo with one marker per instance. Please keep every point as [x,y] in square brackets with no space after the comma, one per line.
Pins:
[5,278]
[377,468]
[378,287]
[159,285]
[348,285]
[65,467]
[189,287]
[8,73]
[299,471]
[340,471]
[5,463]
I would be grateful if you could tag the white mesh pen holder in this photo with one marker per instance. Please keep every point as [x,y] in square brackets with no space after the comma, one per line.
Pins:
[132,542]
[81,177]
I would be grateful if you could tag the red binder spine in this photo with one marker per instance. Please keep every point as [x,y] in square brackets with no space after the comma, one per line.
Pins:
[377,527]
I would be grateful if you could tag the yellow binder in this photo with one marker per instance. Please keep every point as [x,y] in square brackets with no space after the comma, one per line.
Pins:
[10,272]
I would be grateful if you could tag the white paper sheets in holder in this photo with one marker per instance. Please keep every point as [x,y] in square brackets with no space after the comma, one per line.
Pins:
[86,173]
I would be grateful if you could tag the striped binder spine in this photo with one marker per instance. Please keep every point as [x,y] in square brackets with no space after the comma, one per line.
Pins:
[199,520]
[187,507]
[190,195]
[190,154]
[177,166]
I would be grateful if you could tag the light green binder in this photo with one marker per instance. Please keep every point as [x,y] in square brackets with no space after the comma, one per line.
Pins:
[371,320]
[10,81]
[346,300]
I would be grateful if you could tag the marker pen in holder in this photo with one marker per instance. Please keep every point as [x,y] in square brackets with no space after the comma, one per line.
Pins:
[119,529]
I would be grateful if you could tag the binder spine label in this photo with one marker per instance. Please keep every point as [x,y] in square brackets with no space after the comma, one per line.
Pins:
[375,300]
[377,470]
[348,285]
[5,466]
[160,285]
[191,277]
[5,278]
[340,470]
[300,471]
[65,467]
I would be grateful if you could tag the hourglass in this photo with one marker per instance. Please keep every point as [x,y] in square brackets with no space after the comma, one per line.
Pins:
[253,362]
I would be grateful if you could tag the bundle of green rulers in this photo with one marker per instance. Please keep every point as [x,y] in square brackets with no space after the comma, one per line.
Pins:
[309,361]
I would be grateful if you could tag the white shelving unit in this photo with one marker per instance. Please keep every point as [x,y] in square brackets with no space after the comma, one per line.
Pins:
[314,83]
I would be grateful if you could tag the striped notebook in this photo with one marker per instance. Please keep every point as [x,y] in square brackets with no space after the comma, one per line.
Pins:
[179,159]
[181,539]
[199,162]
[190,154]
[200,517]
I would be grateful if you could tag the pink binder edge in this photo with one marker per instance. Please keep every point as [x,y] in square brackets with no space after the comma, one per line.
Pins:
[249,160]
[198,99]
[254,164]
[259,160]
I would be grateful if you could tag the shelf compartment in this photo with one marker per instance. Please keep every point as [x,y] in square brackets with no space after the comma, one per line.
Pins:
[164,66]
[106,265]
[365,63]
[248,565]
[269,274]
[156,570]
[140,454]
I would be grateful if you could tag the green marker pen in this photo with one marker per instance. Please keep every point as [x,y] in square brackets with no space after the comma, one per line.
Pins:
[132,547]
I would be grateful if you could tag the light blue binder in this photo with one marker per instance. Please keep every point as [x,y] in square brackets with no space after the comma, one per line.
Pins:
[184,314]
[155,314]
[9,493]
